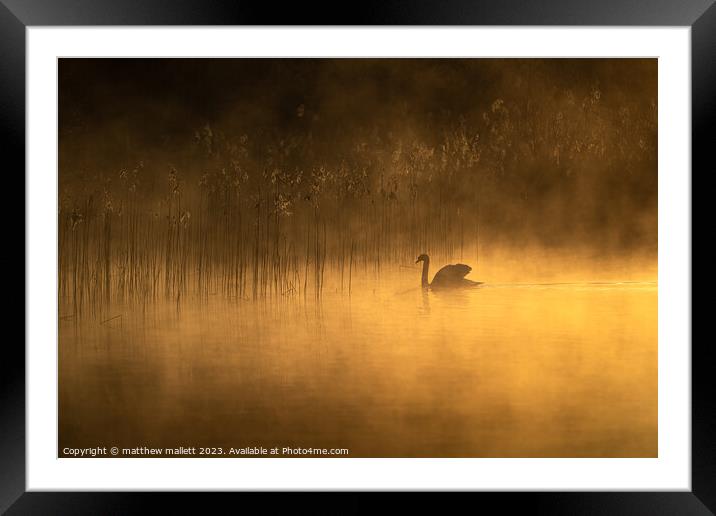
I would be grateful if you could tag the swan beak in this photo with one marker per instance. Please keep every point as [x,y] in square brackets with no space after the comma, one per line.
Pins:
[416,261]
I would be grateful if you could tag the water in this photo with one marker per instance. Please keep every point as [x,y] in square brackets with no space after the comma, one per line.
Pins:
[505,370]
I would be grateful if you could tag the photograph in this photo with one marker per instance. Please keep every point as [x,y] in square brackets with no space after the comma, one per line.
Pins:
[357,257]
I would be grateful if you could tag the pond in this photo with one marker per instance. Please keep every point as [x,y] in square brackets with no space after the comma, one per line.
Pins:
[390,370]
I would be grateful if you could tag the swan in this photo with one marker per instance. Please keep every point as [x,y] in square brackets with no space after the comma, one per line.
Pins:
[448,277]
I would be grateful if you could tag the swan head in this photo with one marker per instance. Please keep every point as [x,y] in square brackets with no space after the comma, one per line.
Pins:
[422,258]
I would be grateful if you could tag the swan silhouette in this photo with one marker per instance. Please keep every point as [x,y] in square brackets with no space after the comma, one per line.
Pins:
[450,276]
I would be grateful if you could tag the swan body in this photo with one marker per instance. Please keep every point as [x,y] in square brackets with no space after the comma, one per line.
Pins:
[450,276]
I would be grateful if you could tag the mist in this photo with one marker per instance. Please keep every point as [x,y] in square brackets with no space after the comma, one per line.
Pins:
[238,242]
[275,163]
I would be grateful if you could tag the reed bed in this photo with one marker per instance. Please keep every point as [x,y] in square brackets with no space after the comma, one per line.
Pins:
[239,248]
[247,219]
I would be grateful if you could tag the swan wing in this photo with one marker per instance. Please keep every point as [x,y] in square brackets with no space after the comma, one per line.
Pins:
[461,269]
[451,274]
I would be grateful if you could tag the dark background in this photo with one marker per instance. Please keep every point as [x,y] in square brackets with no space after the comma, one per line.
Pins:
[563,150]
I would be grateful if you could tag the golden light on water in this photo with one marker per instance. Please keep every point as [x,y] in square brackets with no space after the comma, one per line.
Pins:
[559,370]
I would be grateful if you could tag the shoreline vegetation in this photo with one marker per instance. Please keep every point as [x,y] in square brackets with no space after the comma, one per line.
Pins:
[269,213]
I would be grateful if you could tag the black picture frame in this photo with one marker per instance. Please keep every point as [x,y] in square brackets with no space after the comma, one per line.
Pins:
[17,15]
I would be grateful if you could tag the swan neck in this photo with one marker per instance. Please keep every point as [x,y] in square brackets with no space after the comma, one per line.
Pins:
[424,280]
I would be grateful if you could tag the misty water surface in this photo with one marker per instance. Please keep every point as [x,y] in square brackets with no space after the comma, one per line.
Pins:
[505,370]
